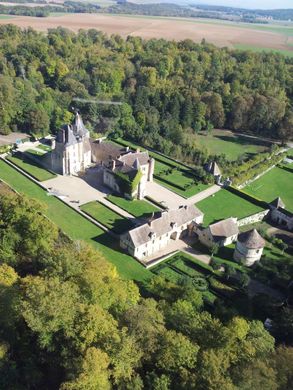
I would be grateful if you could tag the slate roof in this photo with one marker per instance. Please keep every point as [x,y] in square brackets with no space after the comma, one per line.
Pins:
[163,224]
[136,158]
[65,136]
[251,239]
[213,168]
[224,229]
[278,203]
[106,151]
[78,127]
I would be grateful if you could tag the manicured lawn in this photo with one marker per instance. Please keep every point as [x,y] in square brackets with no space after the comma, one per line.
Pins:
[44,147]
[74,225]
[224,204]
[137,208]
[232,145]
[107,217]
[31,167]
[277,182]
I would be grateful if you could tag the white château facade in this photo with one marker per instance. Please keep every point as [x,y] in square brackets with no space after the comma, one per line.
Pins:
[71,150]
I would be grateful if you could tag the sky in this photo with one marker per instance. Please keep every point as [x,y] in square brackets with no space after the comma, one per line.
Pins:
[254,4]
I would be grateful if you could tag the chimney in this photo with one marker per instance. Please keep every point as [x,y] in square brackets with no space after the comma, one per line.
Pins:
[113,165]
[127,149]
[137,150]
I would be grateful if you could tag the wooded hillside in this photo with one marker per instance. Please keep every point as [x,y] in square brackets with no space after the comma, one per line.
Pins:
[169,90]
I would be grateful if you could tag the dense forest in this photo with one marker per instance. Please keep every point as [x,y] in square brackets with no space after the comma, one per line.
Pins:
[169,90]
[67,321]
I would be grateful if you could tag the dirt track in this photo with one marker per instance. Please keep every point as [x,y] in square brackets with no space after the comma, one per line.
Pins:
[220,35]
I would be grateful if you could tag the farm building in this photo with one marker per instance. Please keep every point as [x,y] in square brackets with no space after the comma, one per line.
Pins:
[249,247]
[280,215]
[71,150]
[145,240]
[221,233]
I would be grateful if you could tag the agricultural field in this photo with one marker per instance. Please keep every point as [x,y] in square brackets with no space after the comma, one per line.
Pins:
[75,225]
[172,174]
[276,182]
[31,167]
[216,32]
[232,145]
[107,217]
[287,53]
[224,204]
[137,208]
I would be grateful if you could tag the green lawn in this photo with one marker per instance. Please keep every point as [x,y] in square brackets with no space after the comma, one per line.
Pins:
[276,182]
[232,145]
[137,208]
[31,167]
[74,225]
[44,147]
[224,204]
[107,217]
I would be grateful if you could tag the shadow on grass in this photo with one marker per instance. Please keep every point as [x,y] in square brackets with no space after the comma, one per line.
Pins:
[242,140]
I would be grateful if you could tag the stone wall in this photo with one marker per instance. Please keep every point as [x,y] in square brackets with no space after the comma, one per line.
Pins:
[253,218]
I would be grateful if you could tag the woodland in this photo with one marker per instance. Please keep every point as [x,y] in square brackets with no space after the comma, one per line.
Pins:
[168,90]
[68,321]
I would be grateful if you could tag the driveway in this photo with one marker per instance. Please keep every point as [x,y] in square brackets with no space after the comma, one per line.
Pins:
[172,200]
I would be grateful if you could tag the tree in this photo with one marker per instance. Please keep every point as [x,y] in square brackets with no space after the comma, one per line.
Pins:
[94,373]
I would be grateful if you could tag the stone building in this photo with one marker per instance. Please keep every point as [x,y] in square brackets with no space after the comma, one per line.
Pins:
[213,168]
[146,240]
[221,233]
[280,215]
[120,164]
[71,150]
[249,247]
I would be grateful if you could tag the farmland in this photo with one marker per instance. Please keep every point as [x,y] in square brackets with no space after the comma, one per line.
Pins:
[223,205]
[276,182]
[218,33]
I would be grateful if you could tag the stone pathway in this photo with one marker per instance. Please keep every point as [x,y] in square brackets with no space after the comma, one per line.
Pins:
[172,200]
[203,194]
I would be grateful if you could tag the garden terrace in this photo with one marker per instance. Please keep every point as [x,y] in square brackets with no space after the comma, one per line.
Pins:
[75,225]
[137,208]
[172,174]
[278,182]
[107,217]
[181,266]
[225,204]
[31,167]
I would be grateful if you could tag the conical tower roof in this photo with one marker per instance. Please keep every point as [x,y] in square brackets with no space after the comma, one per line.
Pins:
[79,128]
[278,203]
[251,239]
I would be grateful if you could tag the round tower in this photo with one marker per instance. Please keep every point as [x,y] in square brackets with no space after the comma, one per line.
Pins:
[249,247]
